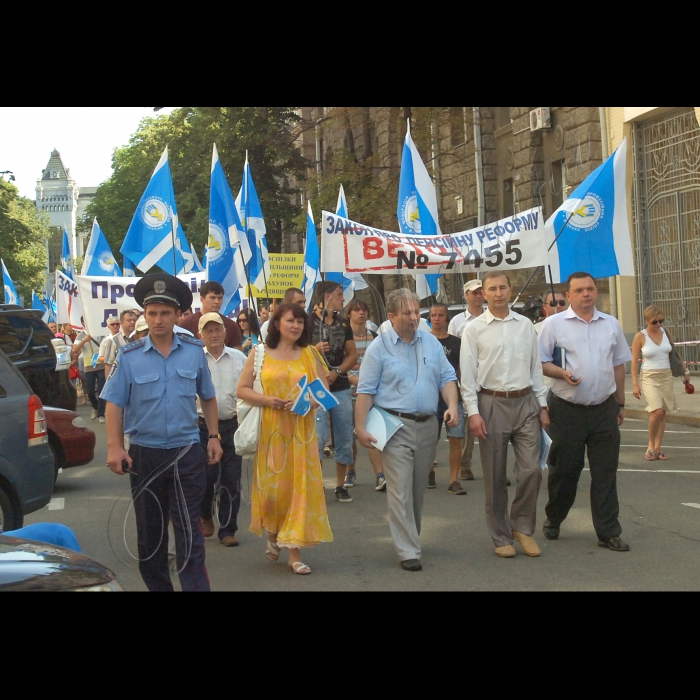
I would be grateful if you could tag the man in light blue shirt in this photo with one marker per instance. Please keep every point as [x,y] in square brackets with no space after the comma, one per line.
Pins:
[402,371]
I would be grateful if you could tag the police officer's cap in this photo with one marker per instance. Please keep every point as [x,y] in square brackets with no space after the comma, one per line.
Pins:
[163,289]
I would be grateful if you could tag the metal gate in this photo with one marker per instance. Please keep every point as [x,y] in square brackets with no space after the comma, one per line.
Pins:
[667,222]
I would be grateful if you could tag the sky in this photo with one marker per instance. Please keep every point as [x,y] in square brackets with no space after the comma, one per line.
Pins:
[84,136]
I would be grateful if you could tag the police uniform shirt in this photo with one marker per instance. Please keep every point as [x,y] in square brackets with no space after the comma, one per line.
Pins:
[158,393]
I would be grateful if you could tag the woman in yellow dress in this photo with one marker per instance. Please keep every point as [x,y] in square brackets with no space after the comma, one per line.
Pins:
[287,494]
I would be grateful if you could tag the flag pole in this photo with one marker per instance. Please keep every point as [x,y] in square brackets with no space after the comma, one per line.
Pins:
[247,191]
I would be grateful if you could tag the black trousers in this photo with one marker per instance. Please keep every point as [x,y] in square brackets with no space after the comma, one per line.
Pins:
[95,382]
[575,429]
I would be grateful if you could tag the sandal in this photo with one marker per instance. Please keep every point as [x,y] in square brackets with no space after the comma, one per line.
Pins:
[661,456]
[298,567]
[650,455]
[272,551]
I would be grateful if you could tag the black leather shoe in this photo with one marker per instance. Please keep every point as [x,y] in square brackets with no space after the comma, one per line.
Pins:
[411,565]
[614,543]
[551,532]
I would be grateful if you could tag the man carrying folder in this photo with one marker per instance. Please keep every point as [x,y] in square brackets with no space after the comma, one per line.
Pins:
[402,372]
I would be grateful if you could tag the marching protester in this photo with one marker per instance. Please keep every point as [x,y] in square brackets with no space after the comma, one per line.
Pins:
[94,371]
[332,336]
[287,495]
[127,323]
[225,365]
[455,435]
[141,329]
[264,314]
[248,323]
[155,381]
[211,296]
[293,295]
[587,408]
[652,344]
[358,313]
[505,398]
[402,372]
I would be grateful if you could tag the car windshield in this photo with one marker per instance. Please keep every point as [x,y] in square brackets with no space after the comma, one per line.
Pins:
[17,331]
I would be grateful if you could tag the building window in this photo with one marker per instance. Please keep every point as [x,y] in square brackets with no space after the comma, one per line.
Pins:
[457,127]
[502,117]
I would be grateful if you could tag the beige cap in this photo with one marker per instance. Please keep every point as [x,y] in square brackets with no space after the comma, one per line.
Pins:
[211,316]
[472,285]
[141,325]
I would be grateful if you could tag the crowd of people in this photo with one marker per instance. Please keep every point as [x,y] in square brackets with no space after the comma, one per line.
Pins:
[168,383]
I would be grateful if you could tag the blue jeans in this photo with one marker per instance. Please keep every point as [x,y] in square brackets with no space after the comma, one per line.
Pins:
[341,415]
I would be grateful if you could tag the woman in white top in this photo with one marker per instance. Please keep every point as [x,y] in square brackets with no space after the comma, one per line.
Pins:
[653,347]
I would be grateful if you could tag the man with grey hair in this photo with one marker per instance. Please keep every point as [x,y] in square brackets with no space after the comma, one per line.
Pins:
[127,321]
[402,372]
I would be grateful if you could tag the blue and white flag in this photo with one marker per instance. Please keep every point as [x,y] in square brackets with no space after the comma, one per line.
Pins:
[11,296]
[302,404]
[128,267]
[249,210]
[311,258]
[185,249]
[149,240]
[99,261]
[204,258]
[197,266]
[224,230]
[417,208]
[67,257]
[595,235]
[39,305]
[322,395]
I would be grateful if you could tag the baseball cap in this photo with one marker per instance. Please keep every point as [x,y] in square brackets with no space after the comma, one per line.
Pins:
[141,325]
[472,285]
[211,316]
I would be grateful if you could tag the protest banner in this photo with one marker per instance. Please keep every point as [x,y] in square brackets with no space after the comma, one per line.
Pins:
[508,244]
[68,306]
[286,270]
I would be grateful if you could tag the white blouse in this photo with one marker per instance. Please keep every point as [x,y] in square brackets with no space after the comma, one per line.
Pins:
[656,356]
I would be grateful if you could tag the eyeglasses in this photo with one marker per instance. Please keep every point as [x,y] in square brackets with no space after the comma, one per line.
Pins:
[561,302]
[113,324]
[660,322]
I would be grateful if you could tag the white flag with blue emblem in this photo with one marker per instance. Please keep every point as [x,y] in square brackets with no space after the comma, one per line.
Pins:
[11,296]
[249,210]
[225,229]
[417,209]
[150,238]
[311,257]
[99,261]
[67,257]
[595,235]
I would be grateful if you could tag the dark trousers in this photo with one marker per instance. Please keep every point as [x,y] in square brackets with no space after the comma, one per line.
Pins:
[95,382]
[575,429]
[223,479]
[175,493]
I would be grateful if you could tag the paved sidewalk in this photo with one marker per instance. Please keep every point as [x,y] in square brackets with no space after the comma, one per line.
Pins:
[688,412]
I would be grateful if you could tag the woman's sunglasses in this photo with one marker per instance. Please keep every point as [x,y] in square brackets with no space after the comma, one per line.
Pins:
[660,322]
[561,302]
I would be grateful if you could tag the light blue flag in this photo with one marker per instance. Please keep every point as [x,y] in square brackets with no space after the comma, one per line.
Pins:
[322,395]
[302,404]
[251,215]
[204,258]
[311,257]
[185,249]
[417,208]
[224,230]
[11,296]
[128,267]
[67,257]
[149,240]
[37,303]
[99,261]
[197,266]
[595,235]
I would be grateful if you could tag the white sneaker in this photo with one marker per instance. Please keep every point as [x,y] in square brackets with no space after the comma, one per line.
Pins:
[102,419]
[94,414]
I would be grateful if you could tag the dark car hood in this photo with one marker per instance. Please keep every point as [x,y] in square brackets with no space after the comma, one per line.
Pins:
[27,565]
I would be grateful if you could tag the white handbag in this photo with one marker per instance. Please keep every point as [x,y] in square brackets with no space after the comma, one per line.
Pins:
[247,437]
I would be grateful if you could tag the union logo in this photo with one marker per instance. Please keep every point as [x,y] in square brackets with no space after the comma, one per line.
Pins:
[216,244]
[154,212]
[588,212]
[106,262]
[410,213]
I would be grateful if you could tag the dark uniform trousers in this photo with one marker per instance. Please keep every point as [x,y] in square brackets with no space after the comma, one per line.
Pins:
[574,429]
[227,474]
[176,492]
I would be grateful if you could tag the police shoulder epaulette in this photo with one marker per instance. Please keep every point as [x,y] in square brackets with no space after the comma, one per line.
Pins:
[132,346]
[190,339]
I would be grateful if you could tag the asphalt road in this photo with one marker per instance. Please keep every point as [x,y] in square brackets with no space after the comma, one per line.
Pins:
[662,529]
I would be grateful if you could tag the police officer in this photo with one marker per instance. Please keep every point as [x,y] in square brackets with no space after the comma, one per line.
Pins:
[155,381]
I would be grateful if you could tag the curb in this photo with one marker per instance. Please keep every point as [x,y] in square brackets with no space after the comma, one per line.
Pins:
[670,417]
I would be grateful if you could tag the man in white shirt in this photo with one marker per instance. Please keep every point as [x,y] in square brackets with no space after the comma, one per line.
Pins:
[505,398]
[127,322]
[225,365]
[587,408]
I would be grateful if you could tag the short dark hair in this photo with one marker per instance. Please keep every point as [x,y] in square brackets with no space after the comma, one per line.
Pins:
[549,293]
[494,273]
[210,288]
[124,313]
[357,304]
[252,318]
[321,289]
[291,293]
[442,306]
[579,275]
[273,331]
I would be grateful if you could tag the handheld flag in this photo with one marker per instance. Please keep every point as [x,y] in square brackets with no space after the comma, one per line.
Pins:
[151,235]
[67,257]
[11,296]
[417,208]
[590,232]
[99,261]
[322,395]
[311,258]
[249,210]
[302,405]
[224,228]
[128,267]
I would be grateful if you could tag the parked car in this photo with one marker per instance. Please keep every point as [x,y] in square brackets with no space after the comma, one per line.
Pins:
[28,565]
[38,355]
[71,441]
[26,460]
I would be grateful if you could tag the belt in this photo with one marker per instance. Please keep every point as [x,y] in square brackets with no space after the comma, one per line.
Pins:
[508,394]
[582,405]
[418,417]
[202,420]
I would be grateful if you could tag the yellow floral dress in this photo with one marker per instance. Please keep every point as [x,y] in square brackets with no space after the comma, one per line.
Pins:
[287,495]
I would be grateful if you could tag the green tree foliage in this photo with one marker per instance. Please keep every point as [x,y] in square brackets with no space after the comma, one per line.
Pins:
[23,234]
[189,133]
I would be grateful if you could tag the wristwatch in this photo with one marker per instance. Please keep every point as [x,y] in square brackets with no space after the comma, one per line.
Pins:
[215,437]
